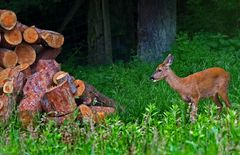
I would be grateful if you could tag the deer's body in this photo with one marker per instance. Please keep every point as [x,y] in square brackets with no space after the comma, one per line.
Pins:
[212,82]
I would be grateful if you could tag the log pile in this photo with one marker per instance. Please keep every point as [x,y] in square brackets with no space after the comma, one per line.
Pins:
[32,82]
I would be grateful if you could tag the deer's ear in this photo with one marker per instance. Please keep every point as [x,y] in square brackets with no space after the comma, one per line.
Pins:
[169,60]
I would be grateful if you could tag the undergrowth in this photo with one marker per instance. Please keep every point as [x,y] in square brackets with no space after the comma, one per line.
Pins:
[151,117]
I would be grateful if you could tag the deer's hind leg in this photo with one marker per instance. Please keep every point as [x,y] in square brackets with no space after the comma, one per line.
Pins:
[224,96]
[217,102]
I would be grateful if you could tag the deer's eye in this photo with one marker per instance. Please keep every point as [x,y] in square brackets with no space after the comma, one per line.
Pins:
[159,70]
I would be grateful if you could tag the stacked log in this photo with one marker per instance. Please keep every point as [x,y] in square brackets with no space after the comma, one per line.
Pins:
[32,82]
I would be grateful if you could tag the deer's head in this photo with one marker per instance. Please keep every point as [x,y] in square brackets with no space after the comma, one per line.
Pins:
[162,69]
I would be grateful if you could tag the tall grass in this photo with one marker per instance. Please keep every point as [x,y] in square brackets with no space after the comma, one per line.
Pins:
[151,117]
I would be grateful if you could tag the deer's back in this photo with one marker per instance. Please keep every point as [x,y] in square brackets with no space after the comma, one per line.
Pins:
[207,82]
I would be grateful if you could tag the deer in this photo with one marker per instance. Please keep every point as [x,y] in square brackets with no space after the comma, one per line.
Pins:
[209,83]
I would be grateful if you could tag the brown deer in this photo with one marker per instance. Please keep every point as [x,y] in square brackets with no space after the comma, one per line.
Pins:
[212,82]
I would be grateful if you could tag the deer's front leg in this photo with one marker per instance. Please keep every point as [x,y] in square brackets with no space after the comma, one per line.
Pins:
[193,113]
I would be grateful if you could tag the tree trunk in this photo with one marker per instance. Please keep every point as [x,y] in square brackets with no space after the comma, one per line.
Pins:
[99,51]
[107,31]
[123,19]
[156,28]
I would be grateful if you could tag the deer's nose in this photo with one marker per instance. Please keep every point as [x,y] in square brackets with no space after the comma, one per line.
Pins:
[151,78]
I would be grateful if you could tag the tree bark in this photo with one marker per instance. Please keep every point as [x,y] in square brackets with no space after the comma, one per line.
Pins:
[59,100]
[35,88]
[156,28]
[51,65]
[97,52]
[46,53]
[107,31]
[124,20]
[12,90]
[7,105]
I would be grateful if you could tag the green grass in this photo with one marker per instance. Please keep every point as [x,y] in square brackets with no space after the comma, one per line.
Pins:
[151,118]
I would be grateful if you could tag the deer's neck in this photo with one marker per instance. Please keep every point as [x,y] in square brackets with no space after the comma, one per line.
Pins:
[174,81]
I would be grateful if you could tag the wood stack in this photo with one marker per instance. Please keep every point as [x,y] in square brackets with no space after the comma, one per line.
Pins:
[32,81]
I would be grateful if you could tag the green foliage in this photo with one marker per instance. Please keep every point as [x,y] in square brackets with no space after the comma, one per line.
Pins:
[211,16]
[151,118]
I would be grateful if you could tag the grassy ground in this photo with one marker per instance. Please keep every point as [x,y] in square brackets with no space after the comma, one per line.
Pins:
[151,119]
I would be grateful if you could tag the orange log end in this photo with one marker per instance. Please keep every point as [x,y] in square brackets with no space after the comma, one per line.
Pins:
[80,87]
[86,112]
[8,87]
[26,54]
[59,75]
[8,58]
[4,74]
[13,37]
[8,19]
[30,35]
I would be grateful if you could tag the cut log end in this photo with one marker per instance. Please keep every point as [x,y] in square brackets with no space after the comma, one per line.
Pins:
[4,74]
[21,67]
[86,112]
[80,88]
[8,87]
[8,58]
[8,19]
[52,39]
[58,76]
[26,54]
[13,37]
[30,35]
